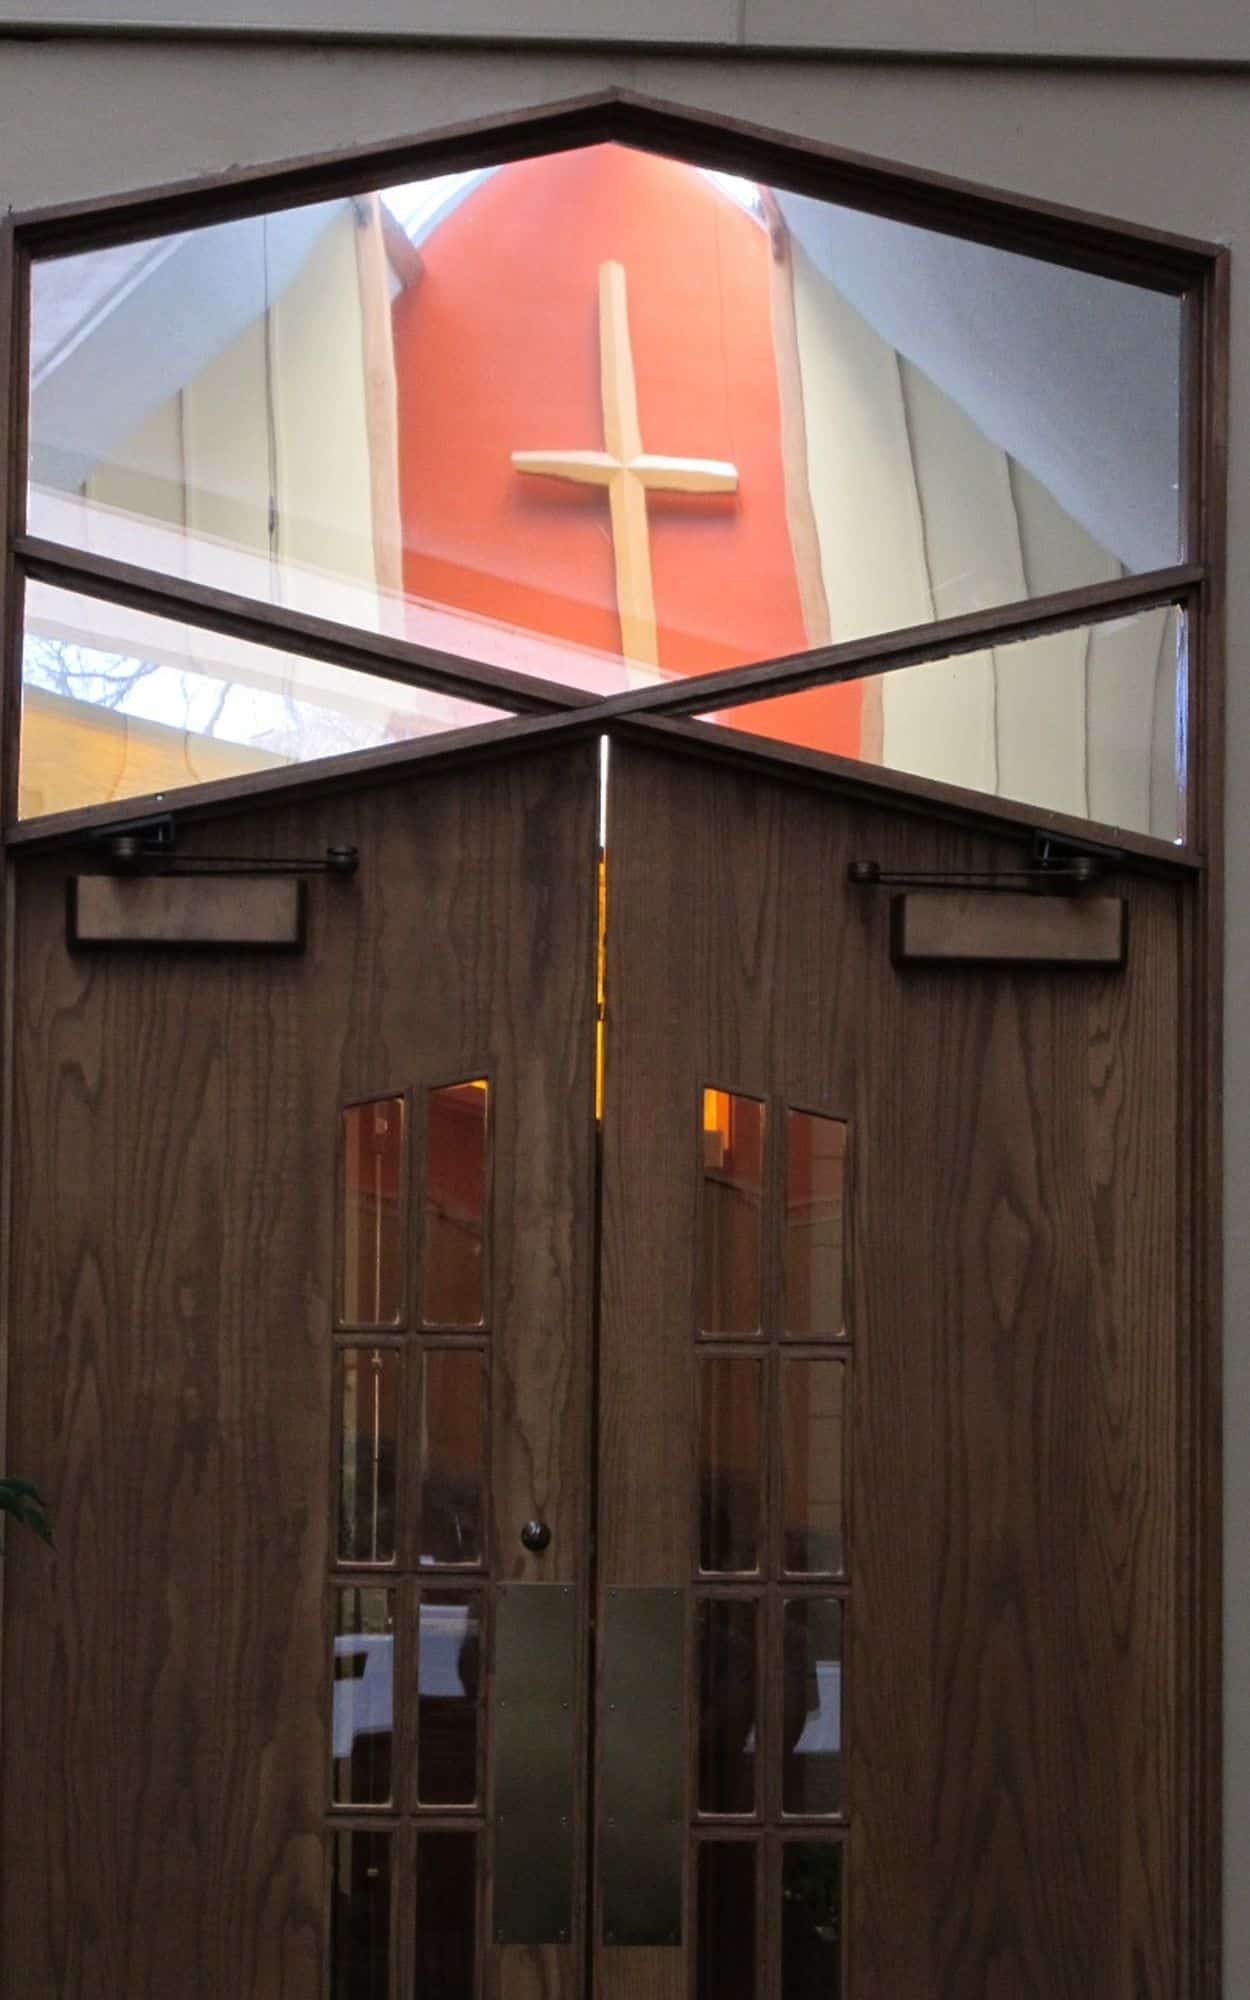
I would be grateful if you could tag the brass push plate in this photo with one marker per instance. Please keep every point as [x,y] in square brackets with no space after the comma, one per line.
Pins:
[642,1823]
[536,1659]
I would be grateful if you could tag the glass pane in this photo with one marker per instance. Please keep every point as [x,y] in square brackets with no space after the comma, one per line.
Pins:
[120,704]
[449,1672]
[453,1448]
[727,1716]
[446,1916]
[815,1181]
[364,1679]
[692,420]
[811,1767]
[811,1920]
[455,1204]
[360,1916]
[374,1206]
[367,1454]
[1089,722]
[812,1400]
[725,1967]
[733,1176]
[729,1468]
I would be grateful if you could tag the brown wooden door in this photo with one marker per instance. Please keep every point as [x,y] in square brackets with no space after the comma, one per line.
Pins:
[836,1383]
[1003,1816]
[222,1294]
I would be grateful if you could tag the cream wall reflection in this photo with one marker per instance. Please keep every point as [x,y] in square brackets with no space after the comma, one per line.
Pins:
[911,502]
[285,413]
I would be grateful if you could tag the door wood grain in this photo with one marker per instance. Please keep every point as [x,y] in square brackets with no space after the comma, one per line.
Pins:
[1012,1592]
[1016,1248]
[176,1142]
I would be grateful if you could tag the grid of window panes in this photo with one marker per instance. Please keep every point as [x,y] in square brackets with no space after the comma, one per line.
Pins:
[773,1355]
[409,1589]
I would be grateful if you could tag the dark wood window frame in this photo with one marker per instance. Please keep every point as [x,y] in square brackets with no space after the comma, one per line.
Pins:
[1187,268]
[1195,270]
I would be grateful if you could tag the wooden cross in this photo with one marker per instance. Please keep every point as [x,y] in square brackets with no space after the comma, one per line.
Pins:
[628,472]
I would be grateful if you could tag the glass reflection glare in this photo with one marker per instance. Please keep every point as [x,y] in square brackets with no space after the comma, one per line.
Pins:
[448,1678]
[364,1679]
[117,704]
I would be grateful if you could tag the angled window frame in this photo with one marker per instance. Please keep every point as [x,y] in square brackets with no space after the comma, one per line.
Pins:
[1192,270]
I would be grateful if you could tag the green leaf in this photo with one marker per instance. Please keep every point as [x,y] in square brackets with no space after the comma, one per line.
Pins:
[23,1500]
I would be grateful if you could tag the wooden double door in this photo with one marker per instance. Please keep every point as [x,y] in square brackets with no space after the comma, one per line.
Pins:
[620,1460]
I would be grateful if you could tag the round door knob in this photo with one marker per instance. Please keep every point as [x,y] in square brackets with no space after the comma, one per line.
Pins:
[535,1535]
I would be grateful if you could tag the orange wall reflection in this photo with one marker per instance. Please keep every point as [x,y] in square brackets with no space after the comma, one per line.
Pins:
[497,350]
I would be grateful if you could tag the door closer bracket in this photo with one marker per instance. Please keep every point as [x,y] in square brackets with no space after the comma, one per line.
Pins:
[149,847]
[1055,868]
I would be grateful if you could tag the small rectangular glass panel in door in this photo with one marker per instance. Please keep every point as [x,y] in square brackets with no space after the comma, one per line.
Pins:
[730,1482]
[812,1900]
[728,1711]
[811,1441]
[811,1665]
[727,1893]
[375,1196]
[361,1868]
[369,1403]
[454,1414]
[449,1681]
[815,1189]
[732,1274]
[364,1695]
[454,1237]
[446,1915]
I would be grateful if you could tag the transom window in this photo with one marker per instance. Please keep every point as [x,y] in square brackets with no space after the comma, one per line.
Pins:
[605,423]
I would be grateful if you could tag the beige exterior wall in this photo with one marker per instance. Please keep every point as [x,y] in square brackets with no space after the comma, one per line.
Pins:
[1207,30]
[84,118]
